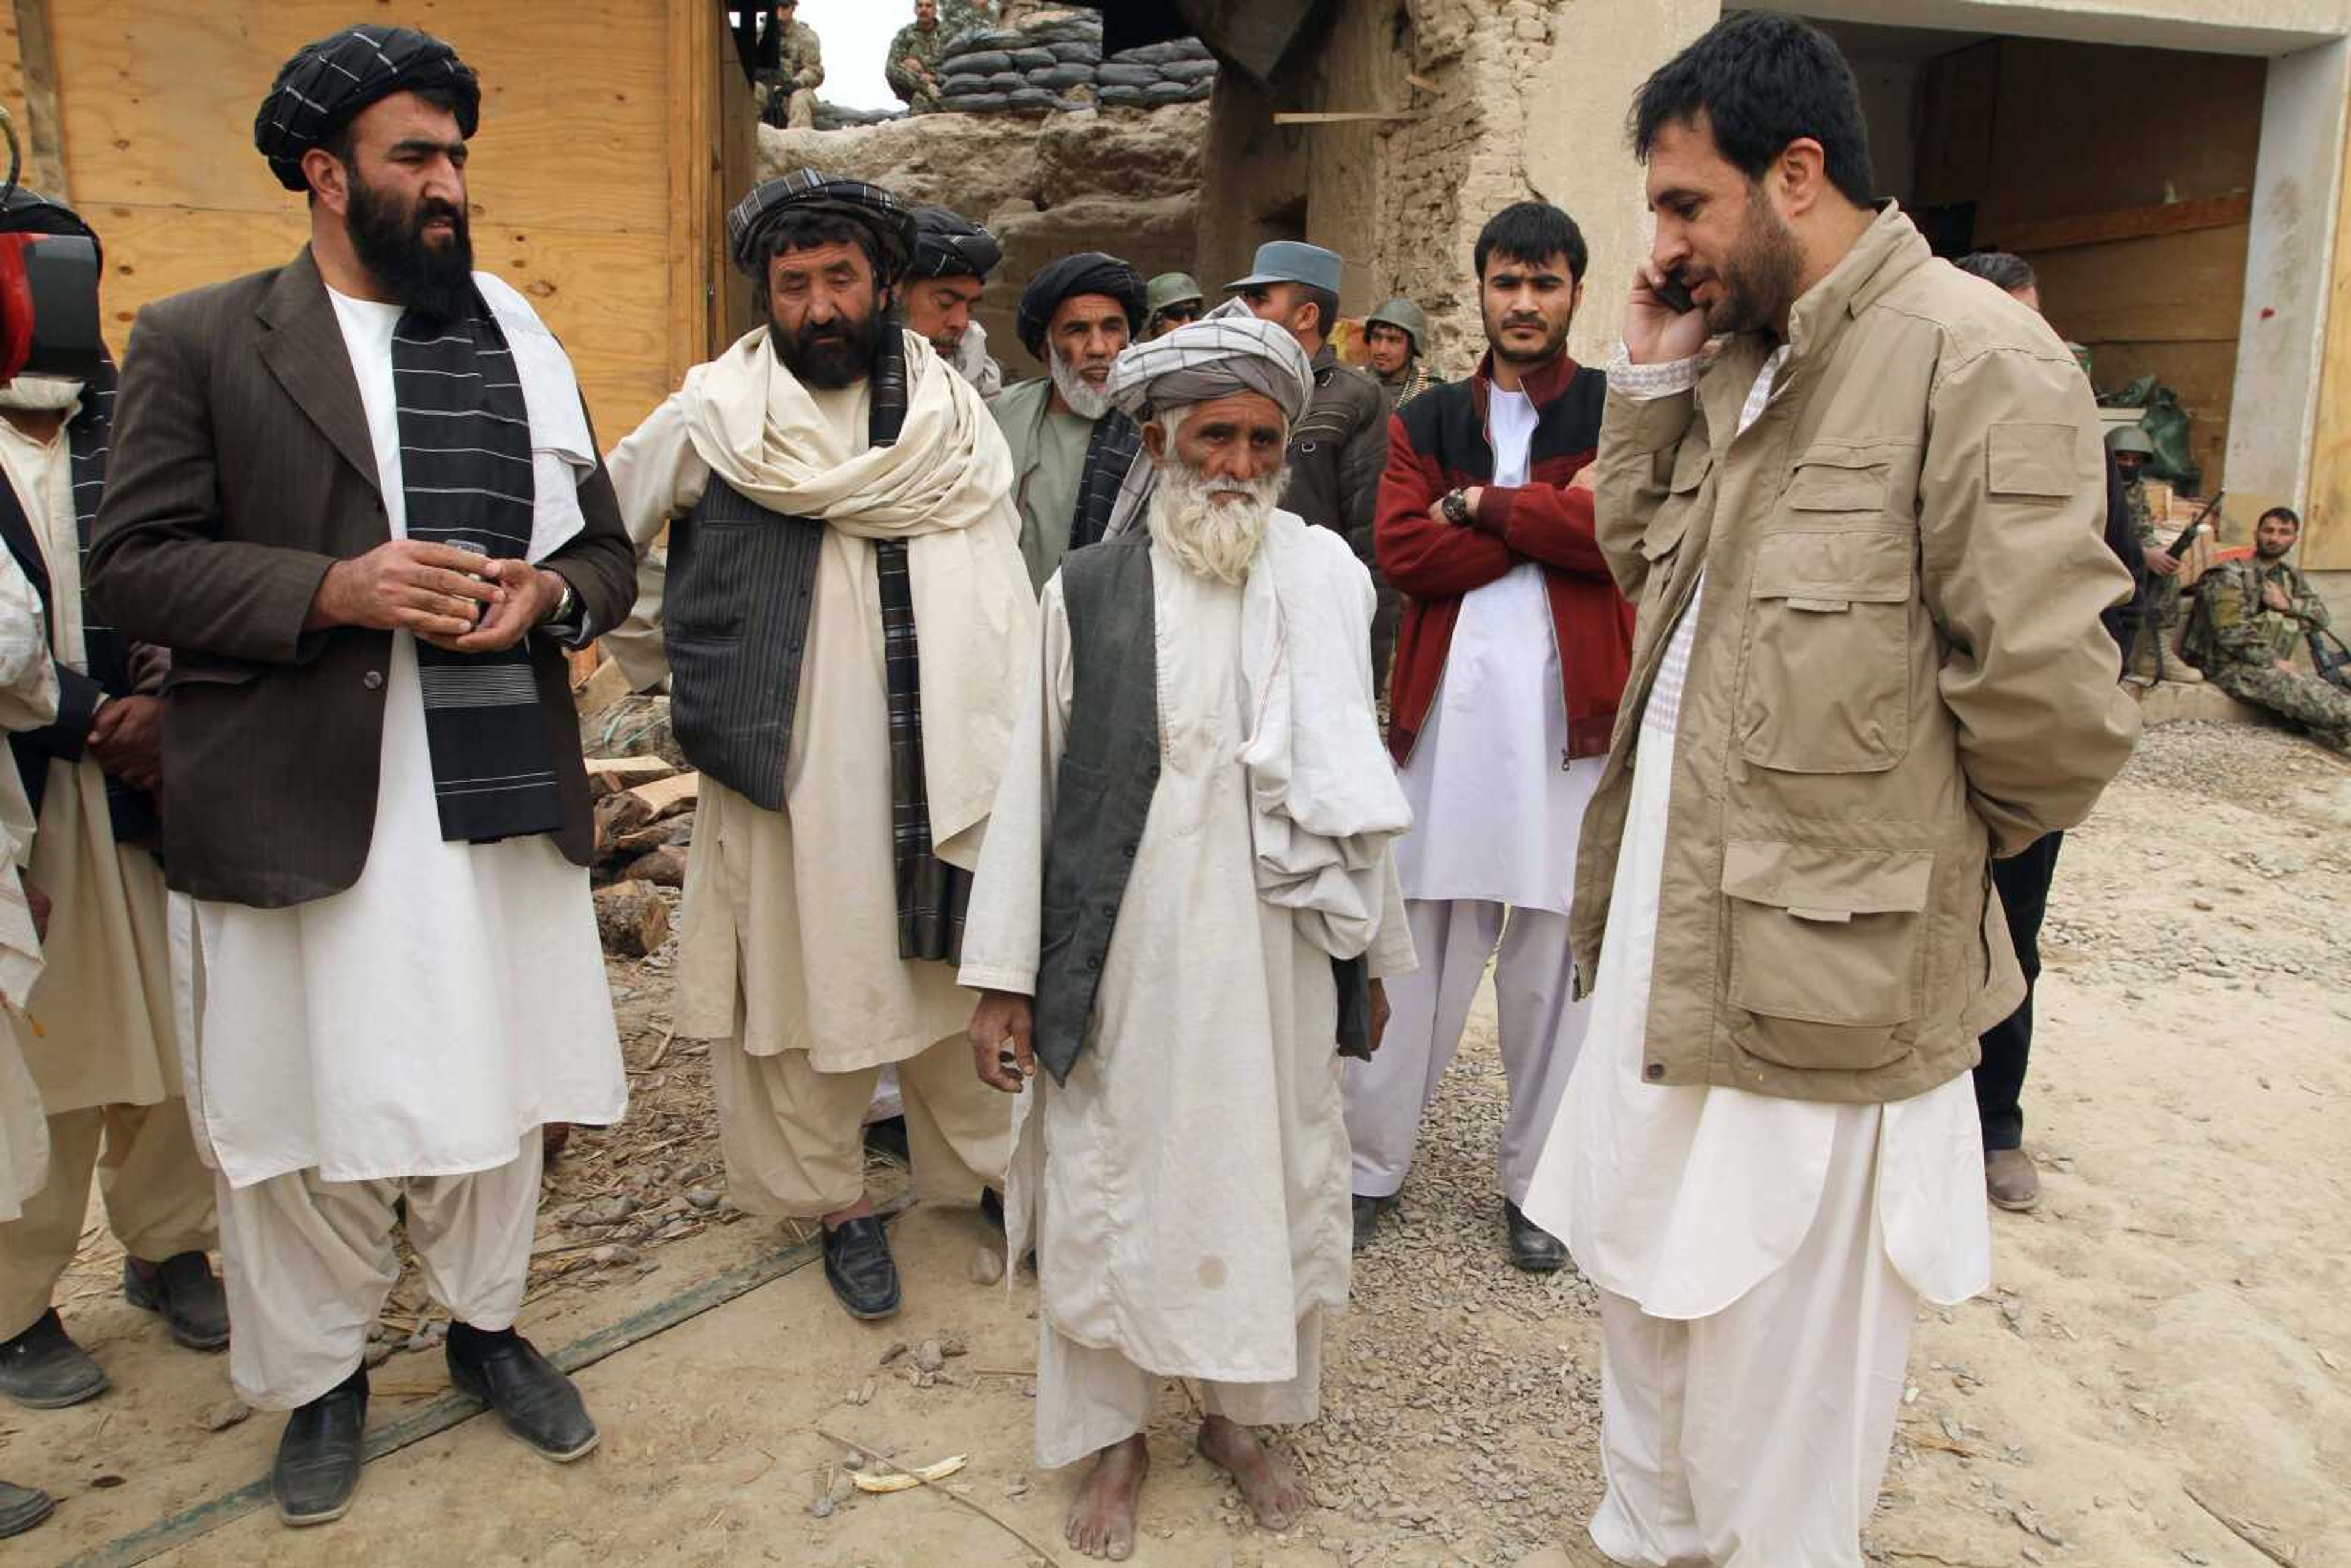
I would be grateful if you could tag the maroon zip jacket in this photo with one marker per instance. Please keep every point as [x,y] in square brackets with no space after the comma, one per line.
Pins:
[1439,441]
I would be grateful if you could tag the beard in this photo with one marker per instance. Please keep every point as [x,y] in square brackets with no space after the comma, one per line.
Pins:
[1758,280]
[1085,399]
[832,354]
[1554,339]
[1211,535]
[40,394]
[435,281]
[2259,550]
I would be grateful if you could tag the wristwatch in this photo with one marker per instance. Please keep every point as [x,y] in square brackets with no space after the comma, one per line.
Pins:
[1456,505]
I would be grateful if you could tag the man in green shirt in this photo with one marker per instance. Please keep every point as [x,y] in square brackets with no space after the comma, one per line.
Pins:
[2256,612]
[910,66]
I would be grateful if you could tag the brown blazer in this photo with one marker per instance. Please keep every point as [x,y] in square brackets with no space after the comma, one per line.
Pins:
[242,470]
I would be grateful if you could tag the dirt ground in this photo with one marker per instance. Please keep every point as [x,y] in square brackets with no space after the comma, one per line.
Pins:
[2162,1376]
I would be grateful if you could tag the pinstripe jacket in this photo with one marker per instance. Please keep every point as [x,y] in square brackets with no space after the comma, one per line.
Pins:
[242,470]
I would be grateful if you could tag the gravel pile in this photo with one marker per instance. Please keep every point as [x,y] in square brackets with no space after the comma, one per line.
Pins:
[1056,63]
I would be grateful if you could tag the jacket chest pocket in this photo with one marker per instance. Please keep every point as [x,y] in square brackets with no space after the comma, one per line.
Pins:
[1660,545]
[1826,951]
[1825,686]
[1315,433]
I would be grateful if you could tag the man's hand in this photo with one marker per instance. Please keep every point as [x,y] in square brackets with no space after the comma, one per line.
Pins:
[2274,596]
[2285,666]
[531,594]
[38,902]
[2162,563]
[1469,497]
[435,591]
[1587,478]
[1379,1015]
[1654,332]
[1000,1048]
[127,740]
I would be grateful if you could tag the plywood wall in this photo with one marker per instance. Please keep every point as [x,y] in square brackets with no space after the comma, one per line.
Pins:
[2327,517]
[591,181]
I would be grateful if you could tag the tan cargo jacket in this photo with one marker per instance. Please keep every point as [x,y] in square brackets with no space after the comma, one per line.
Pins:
[1899,673]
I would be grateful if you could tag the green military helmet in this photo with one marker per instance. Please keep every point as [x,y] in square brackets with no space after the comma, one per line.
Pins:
[2129,438]
[1406,318]
[1170,288]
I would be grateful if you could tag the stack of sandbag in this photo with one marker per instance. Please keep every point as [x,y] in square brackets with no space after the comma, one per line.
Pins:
[1055,63]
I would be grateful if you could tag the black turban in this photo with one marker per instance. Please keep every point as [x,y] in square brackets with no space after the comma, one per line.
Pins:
[328,82]
[949,244]
[1089,272]
[752,225]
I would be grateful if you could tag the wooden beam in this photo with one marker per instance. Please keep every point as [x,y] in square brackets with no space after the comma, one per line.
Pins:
[2128,222]
[1341,116]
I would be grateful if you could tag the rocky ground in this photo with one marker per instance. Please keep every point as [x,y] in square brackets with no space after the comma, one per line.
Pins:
[2162,1374]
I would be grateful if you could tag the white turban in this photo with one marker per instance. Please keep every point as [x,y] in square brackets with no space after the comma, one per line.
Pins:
[1225,352]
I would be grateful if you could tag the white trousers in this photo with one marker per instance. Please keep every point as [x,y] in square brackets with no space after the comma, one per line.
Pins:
[1542,1031]
[1756,1437]
[1088,1399]
[309,1262]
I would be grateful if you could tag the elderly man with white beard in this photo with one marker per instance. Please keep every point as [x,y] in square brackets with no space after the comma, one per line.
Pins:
[1183,910]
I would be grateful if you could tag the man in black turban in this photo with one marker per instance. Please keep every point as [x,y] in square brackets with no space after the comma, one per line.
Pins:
[363,483]
[1071,449]
[953,256]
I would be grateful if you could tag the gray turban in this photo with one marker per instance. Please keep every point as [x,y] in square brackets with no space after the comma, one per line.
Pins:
[327,83]
[1227,352]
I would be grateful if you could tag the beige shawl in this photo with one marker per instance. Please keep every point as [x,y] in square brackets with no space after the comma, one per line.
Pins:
[945,487]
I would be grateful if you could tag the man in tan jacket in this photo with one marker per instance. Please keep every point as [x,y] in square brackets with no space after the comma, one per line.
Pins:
[1857,500]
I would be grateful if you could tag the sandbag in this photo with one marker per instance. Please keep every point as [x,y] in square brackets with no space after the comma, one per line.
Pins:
[1029,59]
[982,63]
[1115,97]
[1115,74]
[1007,81]
[1189,70]
[1030,98]
[976,102]
[1161,92]
[951,85]
[1161,54]
[1062,76]
[1079,54]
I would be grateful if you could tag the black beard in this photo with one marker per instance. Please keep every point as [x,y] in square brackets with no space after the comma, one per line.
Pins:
[1759,281]
[435,281]
[839,353]
[1553,344]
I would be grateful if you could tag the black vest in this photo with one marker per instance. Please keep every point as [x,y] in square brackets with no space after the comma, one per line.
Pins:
[1101,798]
[735,623]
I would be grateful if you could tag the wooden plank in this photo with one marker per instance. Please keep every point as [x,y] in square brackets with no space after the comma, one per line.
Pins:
[2127,223]
[28,81]
[670,796]
[158,104]
[2178,288]
[637,770]
[2327,508]
[1343,116]
[603,689]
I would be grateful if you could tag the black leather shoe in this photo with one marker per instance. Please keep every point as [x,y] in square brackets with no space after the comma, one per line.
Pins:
[182,1289]
[43,1369]
[538,1403]
[318,1466]
[21,1508]
[1532,1248]
[1369,1212]
[858,1268]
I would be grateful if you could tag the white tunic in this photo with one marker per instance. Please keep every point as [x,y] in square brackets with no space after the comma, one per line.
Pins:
[1684,1198]
[28,699]
[1496,804]
[1189,1186]
[420,1021]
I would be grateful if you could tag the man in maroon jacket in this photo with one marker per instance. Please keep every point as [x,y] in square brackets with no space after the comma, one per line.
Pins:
[1513,650]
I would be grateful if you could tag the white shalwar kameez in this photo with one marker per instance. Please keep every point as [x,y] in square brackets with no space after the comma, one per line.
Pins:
[1490,865]
[1186,1188]
[28,699]
[1759,1259]
[402,1039]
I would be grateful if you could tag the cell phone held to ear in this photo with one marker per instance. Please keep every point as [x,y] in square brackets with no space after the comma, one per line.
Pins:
[1675,293]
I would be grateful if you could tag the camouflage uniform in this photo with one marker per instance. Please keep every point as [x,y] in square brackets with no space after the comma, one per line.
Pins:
[955,16]
[2162,593]
[791,87]
[2250,638]
[1413,380]
[920,92]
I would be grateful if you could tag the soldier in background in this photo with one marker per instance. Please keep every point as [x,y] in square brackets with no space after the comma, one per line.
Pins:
[2254,613]
[910,65]
[1397,334]
[1170,300]
[789,83]
[2159,623]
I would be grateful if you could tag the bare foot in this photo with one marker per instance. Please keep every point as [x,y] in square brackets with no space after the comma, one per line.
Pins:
[1101,1519]
[1268,1483]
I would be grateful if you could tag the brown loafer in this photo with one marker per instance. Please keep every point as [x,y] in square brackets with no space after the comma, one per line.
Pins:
[2011,1180]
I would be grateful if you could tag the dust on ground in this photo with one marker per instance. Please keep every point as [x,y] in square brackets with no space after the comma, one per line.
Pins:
[2162,1374]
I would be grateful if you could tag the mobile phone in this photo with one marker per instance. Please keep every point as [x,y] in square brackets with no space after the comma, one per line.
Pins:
[1675,293]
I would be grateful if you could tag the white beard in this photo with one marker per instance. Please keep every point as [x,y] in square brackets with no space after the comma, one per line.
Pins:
[1085,401]
[40,394]
[1211,535]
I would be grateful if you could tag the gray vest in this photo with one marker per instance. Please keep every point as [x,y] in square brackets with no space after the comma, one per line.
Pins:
[1110,771]
[735,623]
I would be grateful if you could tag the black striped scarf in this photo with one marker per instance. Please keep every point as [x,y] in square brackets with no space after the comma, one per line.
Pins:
[466,471]
[932,895]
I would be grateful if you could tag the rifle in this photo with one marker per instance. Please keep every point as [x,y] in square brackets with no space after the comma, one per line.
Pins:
[2186,540]
[2334,668]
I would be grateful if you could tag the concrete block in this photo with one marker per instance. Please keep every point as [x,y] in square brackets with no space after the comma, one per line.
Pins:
[2171,702]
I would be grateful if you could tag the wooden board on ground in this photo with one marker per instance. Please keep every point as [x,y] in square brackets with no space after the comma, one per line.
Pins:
[668,797]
